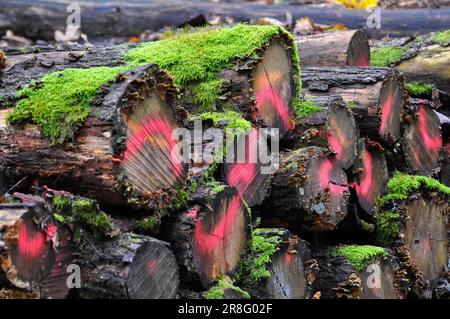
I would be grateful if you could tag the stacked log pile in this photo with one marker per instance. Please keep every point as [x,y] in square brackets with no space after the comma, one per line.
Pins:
[104,199]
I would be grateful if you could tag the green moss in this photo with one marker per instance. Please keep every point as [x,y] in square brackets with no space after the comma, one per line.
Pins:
[352,104]
[60,102]
[360,256]
[232,119]
[195,59]
[148,224]
[402,185]
[386,55]
[81,212]
[302,108]
[417,89]
[367,226]
[388,227]
[443,38]
[215,185]
[265,242]
[218,291]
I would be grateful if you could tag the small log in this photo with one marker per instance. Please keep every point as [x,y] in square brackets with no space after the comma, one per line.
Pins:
[375,95]
[422,138]
[35,250]
[415,228]
[209,238]
[288,273]
[130,266]
[375,275]
[249,175]
[334,127]
[371,174]
[310,188]
[345,48]
[122,154]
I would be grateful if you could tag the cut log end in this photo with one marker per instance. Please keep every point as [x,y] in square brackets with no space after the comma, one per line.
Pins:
[372,175]
[422,139]
[358,50]
[426,236]
[391,107]
[247,174]
[273,87]
[209,239]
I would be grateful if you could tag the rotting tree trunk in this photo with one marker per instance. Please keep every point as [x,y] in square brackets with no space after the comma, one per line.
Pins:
[310,188]
[422,138]
[371,174]
[118,18]
[375,95]
[122,154]
[291,270]
[28,64]
[209,238]
[340,279]
[415,228]
[346,48]
[129,266]
[34,250]
[333,127]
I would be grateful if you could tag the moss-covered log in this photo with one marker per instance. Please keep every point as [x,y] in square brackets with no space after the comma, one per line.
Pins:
[345,48]
[331,125]
[375,95]
[370,174]
[279,266]
[129,266]
[209,238]
[29,64]
[358,272]
[423,59]
[309,188]
[250,69]
[116,146]
[422,139]
[411,219]
[35,250]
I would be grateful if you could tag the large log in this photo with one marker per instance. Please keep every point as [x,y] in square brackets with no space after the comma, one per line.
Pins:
[412,219]
[375,95]
[310,188]
[122,153]
[116,18]
[279,266]
[130,266]
[35,250]
[333,126]
[358,272]
[345,48]
[209,238]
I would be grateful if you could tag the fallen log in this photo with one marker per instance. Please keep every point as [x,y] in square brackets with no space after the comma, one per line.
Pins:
[358,272]
[310,188]
[411,219]
[371,174]
[375,95]
[209,238]
[121,155]
[332,126]
[130,266]
[278,267]
[422,139]
[115,18]
[345,48]
[35,250]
